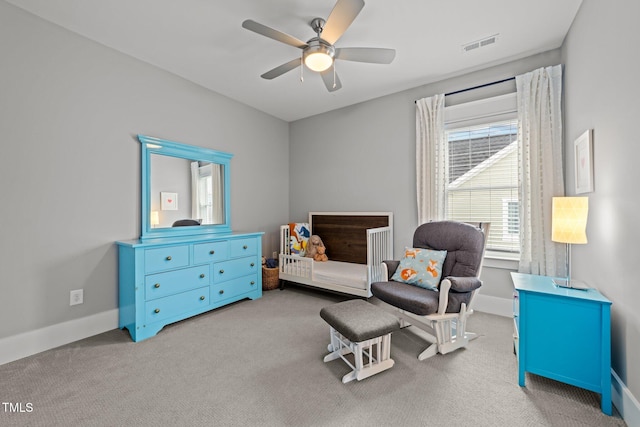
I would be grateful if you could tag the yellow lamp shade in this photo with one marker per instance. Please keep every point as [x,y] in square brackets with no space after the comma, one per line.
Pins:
[569,219]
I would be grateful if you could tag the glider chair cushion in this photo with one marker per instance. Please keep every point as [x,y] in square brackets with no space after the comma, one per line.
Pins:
[465,244]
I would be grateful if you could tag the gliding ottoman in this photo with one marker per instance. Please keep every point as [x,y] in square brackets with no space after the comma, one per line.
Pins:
[357,327]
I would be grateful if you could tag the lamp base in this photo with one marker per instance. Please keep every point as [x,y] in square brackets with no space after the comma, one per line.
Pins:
[570,284]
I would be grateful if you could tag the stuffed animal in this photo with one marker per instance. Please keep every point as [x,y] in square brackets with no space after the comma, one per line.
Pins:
[312,246]
[320,254]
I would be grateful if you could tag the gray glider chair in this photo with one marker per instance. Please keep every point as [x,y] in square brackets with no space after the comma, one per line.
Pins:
[439,308]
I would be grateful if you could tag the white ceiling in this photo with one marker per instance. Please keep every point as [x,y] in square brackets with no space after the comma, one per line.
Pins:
[204,42]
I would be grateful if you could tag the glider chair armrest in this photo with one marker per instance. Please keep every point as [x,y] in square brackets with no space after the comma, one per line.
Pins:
[443,292]
[456,285]
[464,284]
[391,266]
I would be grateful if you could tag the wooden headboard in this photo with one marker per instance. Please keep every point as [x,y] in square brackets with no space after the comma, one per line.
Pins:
[344,234]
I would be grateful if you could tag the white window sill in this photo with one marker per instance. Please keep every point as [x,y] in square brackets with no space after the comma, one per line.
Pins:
[501,260]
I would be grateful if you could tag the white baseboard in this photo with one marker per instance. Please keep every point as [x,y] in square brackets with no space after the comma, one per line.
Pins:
[493,305]
[29,343]
[626,404]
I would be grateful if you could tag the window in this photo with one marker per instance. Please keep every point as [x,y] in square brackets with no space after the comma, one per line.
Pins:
[483,176]
[205,194]
[511,217]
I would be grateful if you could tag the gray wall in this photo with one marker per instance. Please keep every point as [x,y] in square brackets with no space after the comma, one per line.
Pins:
[601,93]
[70,164]
[362,158]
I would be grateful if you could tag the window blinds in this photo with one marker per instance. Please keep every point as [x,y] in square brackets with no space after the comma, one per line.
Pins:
[483,168]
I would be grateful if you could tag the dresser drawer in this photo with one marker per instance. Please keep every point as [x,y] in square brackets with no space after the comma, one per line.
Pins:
[162,284]
[235,287]
[166,258]
[243,247]
[164,308]
[211,251]
[231,269]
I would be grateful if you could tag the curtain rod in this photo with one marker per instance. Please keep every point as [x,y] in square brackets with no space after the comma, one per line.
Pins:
[478,87]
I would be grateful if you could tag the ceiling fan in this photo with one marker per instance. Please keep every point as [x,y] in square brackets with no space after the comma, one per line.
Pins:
[319,53]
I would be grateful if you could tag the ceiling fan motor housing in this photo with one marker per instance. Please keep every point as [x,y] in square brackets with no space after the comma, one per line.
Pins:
[317,24]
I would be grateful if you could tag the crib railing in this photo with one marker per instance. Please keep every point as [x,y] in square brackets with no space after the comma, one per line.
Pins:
[295,266]
[379,248]
[292,265]
[285,234]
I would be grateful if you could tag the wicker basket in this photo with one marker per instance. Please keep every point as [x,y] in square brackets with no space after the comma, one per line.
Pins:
[270,279]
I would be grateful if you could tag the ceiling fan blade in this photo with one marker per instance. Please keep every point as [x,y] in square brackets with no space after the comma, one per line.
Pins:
[280,70]
[257,27]
[373,55]
[342,15]
[328,79]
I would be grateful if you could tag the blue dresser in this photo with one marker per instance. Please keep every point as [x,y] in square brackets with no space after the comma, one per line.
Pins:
[165,280]
[563,334]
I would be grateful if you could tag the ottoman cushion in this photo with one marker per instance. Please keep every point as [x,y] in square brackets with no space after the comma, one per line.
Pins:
[359,320]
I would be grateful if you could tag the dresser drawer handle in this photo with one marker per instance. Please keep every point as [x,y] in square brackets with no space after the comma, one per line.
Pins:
[245,247]
[169,258]
[211,252]
[202,276]
[252,264]
[221,291]
[253,283]
[157,285]
[221,271]
[202,298]
[156,311]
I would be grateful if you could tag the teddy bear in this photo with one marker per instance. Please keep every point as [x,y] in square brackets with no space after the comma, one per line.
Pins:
[313,244]
[320,254]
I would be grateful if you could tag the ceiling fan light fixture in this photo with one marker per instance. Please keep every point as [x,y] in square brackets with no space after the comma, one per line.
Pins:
[318,61]
[318,56]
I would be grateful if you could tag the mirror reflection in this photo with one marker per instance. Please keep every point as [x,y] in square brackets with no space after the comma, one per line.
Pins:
[185,192]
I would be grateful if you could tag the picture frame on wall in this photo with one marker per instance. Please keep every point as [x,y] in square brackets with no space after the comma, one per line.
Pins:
[583,152]
[168,201]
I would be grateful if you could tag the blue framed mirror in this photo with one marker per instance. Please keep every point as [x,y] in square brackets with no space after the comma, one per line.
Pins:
[185,189]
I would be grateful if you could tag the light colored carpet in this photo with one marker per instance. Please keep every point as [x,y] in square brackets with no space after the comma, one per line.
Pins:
[259,363]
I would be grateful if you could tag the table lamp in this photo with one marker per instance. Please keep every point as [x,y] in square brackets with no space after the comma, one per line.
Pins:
[155,219]
[569,226]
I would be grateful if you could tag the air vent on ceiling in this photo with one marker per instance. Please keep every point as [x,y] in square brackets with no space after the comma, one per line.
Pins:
[480,43]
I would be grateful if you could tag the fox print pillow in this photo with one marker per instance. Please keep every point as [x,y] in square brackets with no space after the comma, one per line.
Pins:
[420,267]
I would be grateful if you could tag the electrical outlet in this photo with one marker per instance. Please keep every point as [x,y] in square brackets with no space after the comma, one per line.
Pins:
[275,255]
[76,297]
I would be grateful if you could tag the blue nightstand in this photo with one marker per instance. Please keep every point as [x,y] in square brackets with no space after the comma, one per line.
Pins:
[563,334]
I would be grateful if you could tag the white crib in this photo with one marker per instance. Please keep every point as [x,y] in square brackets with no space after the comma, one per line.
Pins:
[356,242]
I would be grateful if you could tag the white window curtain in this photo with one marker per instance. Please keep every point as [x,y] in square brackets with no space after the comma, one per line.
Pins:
[431,159]
[541,177]
[195,176]
[207,193]
[217,193]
